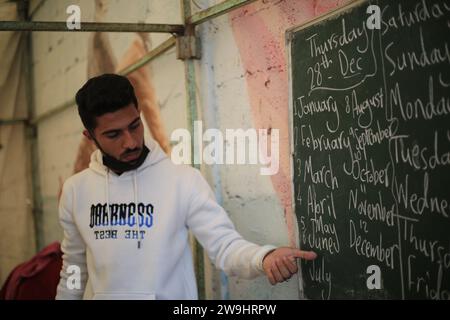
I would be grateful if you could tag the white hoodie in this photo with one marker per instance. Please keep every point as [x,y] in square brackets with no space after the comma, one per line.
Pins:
[170,200]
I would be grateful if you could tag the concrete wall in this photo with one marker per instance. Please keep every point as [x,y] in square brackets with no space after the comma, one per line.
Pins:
[242,83]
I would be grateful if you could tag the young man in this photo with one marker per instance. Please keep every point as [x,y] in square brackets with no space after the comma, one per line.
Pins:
[126,218]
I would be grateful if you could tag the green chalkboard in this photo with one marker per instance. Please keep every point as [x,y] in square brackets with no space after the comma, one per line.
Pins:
[370,136]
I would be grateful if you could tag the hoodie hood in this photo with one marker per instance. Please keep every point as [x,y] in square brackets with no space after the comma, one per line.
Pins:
[155,155]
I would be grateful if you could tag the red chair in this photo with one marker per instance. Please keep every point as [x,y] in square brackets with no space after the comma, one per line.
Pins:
[37,278]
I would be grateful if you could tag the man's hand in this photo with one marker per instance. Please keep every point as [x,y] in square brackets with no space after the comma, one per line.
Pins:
[279,265]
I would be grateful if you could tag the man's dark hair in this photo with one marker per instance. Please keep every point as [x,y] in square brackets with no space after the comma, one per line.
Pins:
[103,94]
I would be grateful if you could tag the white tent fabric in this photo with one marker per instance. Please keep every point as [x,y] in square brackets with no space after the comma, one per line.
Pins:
[17,240]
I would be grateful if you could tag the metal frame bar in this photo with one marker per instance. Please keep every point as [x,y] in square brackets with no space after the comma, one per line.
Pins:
[90,27]
[60,26]
[5,122]
[36,9]
[216,11]
[163,47]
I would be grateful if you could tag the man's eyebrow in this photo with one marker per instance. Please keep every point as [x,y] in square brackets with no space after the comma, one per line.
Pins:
[135,121]
[110,131]
[118,130]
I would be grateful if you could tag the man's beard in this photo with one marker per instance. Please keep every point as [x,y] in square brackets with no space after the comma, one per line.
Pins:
[121,166]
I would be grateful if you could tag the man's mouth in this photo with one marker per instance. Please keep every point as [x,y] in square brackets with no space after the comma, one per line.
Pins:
[131,156]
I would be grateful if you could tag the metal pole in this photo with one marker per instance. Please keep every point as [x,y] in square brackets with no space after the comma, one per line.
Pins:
[163,47]
[36,9]
[191,100]
[32,136]
[90,27]
[216,10]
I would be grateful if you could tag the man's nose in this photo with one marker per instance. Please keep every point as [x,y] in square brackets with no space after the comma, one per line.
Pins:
[128,141]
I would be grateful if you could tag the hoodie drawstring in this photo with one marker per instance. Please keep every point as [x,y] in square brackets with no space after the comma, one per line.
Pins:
[107,192]
[135,189]
[136,210]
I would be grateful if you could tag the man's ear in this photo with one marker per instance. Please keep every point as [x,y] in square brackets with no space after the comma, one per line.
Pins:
[87,134]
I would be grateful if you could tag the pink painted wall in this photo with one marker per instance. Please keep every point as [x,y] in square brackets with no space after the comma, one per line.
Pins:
[259,31]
